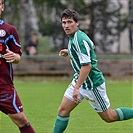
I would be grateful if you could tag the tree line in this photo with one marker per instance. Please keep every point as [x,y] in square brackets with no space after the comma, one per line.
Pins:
[102,20]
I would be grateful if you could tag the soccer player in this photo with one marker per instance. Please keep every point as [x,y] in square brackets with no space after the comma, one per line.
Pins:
[10,52]
[88,81]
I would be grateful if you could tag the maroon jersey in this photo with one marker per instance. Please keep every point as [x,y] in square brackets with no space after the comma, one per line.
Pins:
[8,40]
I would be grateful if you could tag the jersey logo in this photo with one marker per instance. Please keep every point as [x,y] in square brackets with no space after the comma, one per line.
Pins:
[2,33]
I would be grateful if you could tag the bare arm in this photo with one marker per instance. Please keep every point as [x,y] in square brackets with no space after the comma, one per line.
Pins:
[84,71]
[12,57]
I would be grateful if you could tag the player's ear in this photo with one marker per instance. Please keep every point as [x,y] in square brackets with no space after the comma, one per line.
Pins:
[77,24]
[2,7]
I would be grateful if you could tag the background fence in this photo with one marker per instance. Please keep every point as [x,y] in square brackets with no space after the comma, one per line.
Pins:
[115,66]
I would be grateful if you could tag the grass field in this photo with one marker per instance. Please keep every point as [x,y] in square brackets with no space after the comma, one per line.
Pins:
[41,99]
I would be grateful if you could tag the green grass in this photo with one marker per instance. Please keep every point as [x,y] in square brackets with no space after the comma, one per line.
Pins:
[41,100]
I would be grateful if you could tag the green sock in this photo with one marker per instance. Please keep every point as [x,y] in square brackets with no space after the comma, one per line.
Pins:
[60,124]
[124,113]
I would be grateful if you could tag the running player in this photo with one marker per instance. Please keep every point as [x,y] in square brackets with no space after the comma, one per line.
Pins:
[10,52]
[88,81]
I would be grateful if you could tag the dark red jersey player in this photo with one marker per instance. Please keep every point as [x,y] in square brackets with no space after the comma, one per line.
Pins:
[8,40]
[10,52]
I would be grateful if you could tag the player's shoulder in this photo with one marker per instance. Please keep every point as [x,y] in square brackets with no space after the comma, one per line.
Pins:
[81,35]
[9,26]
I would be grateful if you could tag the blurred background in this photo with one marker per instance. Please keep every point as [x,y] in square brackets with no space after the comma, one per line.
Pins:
[109,23]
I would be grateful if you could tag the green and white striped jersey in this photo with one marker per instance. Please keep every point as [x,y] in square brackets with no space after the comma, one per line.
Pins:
[81,52]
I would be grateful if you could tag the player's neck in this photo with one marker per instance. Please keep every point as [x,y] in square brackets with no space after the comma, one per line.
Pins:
[72,34]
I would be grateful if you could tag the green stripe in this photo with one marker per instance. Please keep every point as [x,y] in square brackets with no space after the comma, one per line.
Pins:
[63,118]
[100,100]
[120,114]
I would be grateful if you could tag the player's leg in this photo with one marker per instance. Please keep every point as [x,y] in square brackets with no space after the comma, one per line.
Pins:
[18,116]
[22,122]
[11,105]
[67,105]
[119,114]
[103,107]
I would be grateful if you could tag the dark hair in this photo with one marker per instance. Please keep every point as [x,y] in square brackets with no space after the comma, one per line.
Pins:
[69,13]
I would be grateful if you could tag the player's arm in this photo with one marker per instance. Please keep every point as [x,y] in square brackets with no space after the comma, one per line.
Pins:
[13,53]
[12,57]
[85,61]
[84,71]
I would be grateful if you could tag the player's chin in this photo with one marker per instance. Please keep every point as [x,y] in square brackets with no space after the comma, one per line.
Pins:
[69,34]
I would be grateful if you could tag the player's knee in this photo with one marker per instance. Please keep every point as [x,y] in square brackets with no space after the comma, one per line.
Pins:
[63,111]
[19,119]
[60,110]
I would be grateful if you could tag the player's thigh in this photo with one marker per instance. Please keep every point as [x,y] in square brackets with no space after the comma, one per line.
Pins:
[67,104]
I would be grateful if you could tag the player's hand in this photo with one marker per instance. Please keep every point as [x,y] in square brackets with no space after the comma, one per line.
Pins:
[75,96]
[63,52]
[11,57]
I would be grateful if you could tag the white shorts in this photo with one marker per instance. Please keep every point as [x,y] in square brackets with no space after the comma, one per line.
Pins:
[97,97]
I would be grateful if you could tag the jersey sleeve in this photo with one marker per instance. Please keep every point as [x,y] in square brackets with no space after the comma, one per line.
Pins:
[84,51]
[14,42]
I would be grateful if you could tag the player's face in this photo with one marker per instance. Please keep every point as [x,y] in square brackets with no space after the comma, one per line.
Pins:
[69,26]
[1,7]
